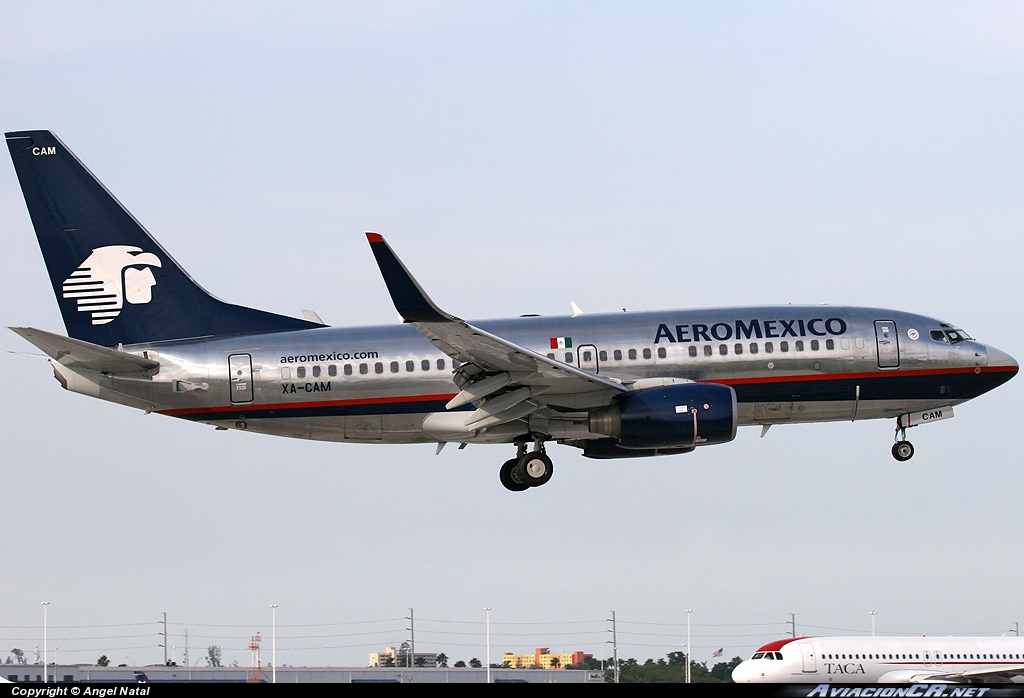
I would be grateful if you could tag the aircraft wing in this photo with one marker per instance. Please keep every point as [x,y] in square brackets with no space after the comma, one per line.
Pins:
[74,353]
[993,673]
[1004,673]
[493,363]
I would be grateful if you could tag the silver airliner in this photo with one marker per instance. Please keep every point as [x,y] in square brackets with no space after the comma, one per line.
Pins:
[143,333]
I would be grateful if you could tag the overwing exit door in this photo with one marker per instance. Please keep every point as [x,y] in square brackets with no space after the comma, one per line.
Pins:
[586,355]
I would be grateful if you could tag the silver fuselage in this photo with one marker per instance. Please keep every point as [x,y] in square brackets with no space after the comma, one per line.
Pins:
[388,384]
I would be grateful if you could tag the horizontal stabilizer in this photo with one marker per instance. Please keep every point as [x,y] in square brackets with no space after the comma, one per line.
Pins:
[75,353]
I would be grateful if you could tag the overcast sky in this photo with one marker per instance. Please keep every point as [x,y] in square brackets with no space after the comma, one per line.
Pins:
[519,155]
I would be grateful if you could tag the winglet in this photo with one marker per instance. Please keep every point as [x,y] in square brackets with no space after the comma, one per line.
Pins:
[412,303]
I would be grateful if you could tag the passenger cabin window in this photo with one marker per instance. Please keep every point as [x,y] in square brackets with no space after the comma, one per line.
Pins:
[300,372]
[769,347]
[286,373]
[316,371]
[753,347]
[587,356]
[738,348]
[693,351]
[798,345]
[783,347]
[707,350]
[364,369]
[425,364]
[378,367]
[551,356]
[618,355]
[723,349]
[632,354]
[814,345]
[662,353]
[647,353]
[830,344]
[410,366]
[394,367]
[332,370]
[568,357]
[440,364]
[602,355]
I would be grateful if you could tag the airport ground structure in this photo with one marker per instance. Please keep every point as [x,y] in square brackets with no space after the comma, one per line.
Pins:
[86,673]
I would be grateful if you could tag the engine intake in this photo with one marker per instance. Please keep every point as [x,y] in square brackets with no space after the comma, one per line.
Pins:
[673,416]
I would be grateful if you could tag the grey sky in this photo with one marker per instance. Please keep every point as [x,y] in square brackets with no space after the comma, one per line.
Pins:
[518,156]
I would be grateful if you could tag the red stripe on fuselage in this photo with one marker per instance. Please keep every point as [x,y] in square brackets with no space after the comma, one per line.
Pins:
[300,405]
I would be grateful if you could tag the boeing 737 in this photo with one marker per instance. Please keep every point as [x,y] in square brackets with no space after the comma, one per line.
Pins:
[885,660]
[143,333]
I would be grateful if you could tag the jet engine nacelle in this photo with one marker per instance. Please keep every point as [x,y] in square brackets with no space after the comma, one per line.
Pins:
[672,416]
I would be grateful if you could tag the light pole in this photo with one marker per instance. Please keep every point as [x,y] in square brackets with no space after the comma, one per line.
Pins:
[688,612]
[44,604]
[273,643]
[487,610]
[872,624]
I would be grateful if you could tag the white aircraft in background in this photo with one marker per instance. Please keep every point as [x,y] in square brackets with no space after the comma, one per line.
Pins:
[886,660]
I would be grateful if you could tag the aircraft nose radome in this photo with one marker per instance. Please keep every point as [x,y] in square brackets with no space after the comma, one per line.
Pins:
[742,673]
[997,357]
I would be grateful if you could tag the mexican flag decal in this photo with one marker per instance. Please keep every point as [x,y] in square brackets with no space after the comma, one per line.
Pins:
[561,342]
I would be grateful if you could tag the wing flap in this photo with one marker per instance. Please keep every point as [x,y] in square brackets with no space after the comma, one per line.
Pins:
[74,353]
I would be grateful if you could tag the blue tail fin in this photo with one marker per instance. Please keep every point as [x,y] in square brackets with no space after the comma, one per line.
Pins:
[113,281]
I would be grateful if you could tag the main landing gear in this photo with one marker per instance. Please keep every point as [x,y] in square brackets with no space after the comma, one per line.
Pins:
[527,469]
[902,450]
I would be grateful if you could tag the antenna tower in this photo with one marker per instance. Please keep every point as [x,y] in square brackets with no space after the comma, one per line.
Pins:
[256,674]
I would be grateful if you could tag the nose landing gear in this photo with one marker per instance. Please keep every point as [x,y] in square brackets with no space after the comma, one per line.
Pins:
[527,469]
[902,450]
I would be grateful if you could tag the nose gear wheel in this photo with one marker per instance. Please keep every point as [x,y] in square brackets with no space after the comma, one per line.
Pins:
[902,450]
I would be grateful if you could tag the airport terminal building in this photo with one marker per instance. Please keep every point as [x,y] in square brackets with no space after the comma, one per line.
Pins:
[87,673]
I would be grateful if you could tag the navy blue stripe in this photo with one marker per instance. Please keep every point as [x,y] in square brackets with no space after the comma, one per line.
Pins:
[959,386]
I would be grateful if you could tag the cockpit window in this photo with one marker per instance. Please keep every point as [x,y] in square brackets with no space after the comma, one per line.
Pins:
[950,336]
[757,655]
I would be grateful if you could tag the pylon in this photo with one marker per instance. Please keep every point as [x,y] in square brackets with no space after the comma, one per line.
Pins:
[256,674]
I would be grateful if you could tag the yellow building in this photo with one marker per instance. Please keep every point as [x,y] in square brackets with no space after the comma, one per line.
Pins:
[542,658]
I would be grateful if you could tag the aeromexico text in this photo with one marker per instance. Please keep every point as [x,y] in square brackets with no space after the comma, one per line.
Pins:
[751,329]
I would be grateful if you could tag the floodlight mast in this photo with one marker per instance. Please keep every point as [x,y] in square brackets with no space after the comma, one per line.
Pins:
[273,643]
[487,609]
[44,604]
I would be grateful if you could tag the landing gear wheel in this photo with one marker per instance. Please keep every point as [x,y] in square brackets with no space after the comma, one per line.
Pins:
[534,469]
[510,477]
[903,451]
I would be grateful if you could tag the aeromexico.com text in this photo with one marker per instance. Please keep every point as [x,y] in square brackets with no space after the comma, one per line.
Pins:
[336,356]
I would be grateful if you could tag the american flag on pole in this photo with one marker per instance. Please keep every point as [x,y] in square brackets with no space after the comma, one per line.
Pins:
[718,652]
